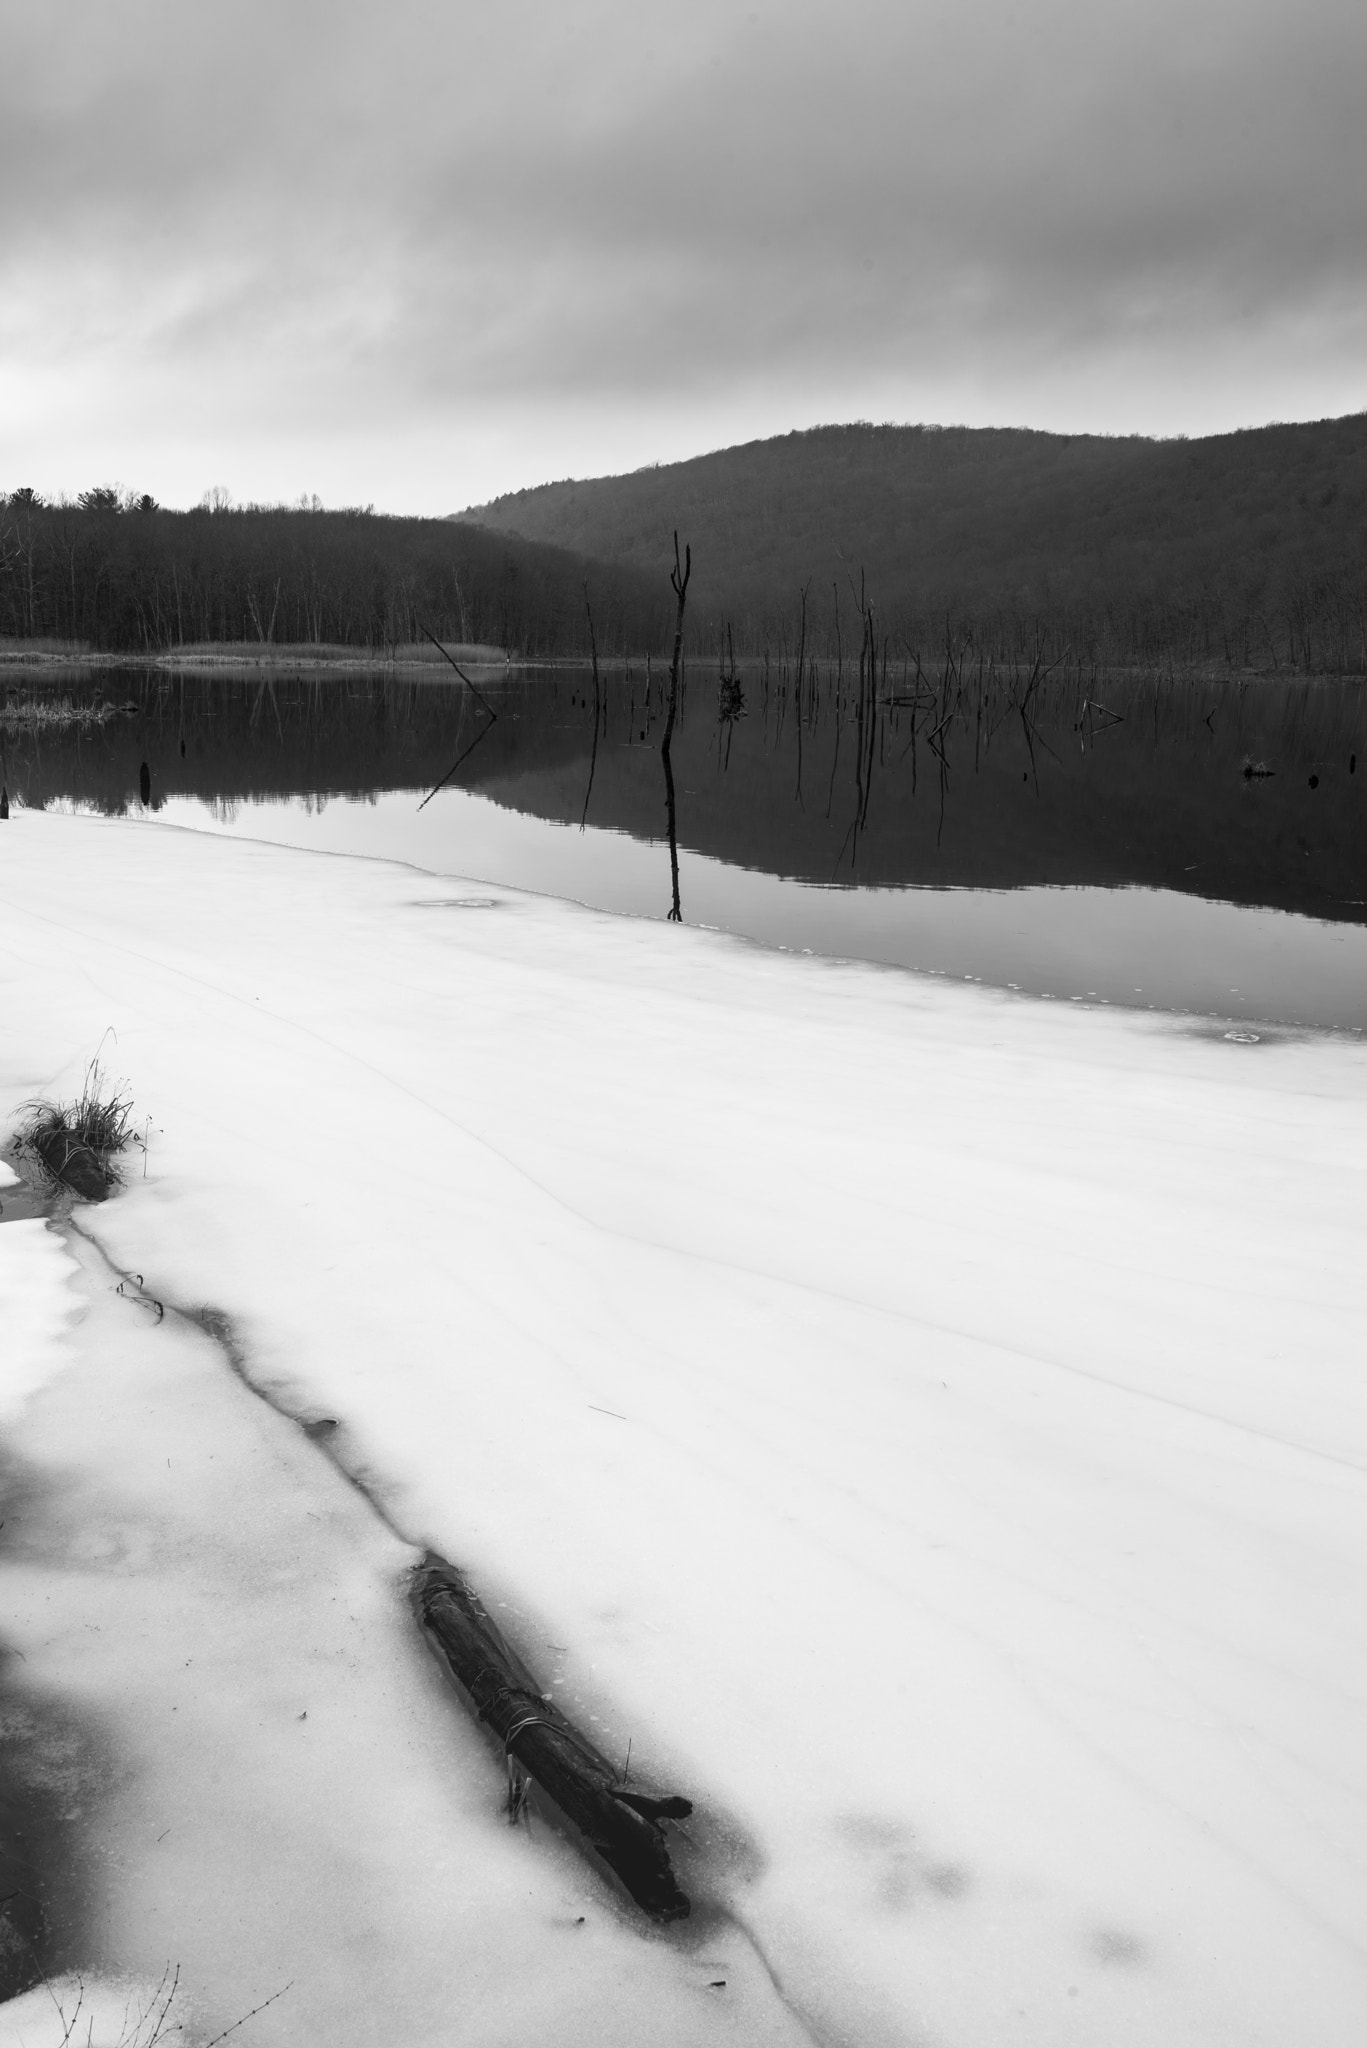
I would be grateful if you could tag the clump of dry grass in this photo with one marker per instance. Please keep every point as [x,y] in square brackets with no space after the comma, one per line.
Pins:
[78,1143]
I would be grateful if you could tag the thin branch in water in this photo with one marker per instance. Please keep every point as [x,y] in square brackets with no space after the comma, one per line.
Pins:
[473,687]
[480,699]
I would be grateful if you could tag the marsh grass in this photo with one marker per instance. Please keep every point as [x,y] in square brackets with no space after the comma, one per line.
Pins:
[328,654]
[27,713]
[77,1143]
[15,647]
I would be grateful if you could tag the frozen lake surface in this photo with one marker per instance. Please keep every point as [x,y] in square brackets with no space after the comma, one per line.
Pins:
[1172,845]
[922,1424]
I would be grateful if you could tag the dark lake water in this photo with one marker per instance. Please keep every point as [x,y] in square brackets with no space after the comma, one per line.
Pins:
[1159,842]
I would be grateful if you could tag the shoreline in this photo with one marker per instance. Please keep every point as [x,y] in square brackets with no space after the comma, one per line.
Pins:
[491,661]
[93,659]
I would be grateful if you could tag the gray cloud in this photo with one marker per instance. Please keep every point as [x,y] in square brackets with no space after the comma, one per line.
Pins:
[286,232]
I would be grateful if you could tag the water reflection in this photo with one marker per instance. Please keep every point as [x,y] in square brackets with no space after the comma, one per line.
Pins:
[811,807]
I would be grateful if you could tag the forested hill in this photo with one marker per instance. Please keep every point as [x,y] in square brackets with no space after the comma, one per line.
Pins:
[1249,548]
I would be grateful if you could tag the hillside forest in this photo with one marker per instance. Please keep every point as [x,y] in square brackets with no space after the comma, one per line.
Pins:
[1245,550]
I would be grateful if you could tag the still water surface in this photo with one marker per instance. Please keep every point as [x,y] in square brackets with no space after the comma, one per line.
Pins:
[1199,847]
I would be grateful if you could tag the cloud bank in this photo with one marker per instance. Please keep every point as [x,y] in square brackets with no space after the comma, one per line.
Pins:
[420,253]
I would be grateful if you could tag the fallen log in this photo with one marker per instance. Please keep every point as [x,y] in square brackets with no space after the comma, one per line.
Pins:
[624,1828]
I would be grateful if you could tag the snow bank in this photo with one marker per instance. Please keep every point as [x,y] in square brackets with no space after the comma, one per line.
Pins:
[35,1308]
[925,1424]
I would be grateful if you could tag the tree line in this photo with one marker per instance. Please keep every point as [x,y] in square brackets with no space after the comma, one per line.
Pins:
[121,573]
[1240,551]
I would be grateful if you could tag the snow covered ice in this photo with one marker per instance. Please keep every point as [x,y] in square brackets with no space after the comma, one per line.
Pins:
[925,1424]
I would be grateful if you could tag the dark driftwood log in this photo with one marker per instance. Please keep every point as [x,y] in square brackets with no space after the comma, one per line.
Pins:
[623,1827]
[74,1164]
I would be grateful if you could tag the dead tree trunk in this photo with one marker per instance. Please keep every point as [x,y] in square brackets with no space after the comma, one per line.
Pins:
[624,1828]
[679,581]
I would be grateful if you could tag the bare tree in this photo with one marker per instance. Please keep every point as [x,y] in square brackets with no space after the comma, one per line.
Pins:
[678,578]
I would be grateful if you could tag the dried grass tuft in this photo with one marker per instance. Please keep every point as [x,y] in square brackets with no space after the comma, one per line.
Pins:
[98,1125]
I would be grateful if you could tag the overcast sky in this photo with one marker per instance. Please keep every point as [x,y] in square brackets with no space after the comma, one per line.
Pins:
[420,252]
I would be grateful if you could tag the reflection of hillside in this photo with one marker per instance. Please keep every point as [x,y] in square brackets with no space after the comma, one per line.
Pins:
[1158,799]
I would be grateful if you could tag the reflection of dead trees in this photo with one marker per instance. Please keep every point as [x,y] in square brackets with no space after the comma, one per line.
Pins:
[679,583]
[597,707]
[1095,718]
[801,660]
[867,724]
[867,719]
[730,699]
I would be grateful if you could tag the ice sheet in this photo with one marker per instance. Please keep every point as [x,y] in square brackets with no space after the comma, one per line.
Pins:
[271,1789]
[930,1421]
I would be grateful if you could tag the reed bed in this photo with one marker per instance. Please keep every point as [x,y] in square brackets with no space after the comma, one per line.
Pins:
[26,714]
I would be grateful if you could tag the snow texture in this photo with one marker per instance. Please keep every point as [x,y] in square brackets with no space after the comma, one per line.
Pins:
[35,1307]
[293,1798]
[925,1424]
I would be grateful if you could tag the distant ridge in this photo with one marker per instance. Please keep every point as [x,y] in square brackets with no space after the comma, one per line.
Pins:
[1249,547]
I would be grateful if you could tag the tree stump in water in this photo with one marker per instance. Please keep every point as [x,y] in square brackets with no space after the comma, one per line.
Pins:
[624,1828]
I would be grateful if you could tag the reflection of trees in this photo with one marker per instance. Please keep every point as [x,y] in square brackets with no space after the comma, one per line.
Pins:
[598,709]
[730,703]
[1134,779]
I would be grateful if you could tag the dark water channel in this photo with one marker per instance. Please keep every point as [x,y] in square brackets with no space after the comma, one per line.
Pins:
[1155,841]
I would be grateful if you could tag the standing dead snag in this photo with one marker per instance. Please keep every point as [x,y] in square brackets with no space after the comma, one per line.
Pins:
[679,581]
[623,1827]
